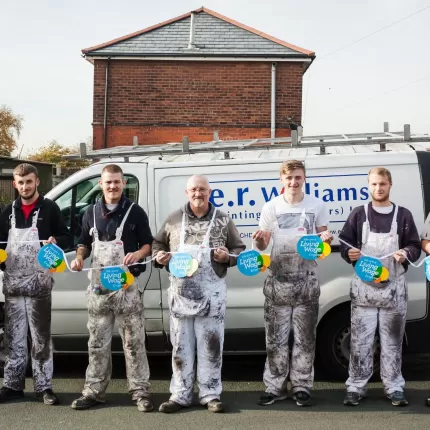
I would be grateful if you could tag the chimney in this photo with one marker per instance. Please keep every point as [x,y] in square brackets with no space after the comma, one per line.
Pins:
[191,44]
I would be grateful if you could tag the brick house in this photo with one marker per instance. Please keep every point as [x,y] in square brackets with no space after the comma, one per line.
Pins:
[192,76]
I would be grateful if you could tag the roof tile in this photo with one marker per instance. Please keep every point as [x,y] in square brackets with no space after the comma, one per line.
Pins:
[214,35]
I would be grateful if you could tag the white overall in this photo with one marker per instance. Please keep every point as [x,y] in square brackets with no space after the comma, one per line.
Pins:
[384,303]
[197,310]
[292,292]
[27,289]
[104,307]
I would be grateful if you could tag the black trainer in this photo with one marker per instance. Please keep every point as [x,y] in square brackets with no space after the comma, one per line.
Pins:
[215,406]
[84,403]
[170,406]
[398,398]
[302,398]
[49,398]
[7,394]
[268,399]
[351,399]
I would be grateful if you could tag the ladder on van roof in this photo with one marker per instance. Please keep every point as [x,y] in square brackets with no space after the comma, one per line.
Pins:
[227,146]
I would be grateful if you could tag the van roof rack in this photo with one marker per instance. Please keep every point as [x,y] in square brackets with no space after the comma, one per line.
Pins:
[227,146]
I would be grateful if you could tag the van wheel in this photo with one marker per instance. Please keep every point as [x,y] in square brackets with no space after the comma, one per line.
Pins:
[333,343]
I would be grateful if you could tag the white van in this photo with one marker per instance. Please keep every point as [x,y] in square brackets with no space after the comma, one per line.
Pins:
[242,181]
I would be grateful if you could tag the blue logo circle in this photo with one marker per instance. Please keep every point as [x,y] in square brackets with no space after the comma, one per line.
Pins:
[249,262]
[50,256]
[180,264]
[113,278]
[309,247]
[368,269]
[427,268]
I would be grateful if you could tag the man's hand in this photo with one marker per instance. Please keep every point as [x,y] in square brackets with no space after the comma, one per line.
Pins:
[354,254]
[220,255]
[131,258]
[50,240]
[77,264]
[163,257]
[326,236]
[261,238]
[400,256]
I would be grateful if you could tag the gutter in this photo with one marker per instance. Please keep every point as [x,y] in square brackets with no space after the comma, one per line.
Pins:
[273,103]
[106,104]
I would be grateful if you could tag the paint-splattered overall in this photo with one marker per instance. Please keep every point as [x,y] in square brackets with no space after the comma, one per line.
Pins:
[27,289]
[372,304]
[197,310]
[104,307]
[292,292]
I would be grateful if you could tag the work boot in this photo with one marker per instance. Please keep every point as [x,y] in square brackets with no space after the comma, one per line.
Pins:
[302,398]
[84,403]
[144,404]
[398,398]
[7,394]
[351,399]
[49,398]
[170,406]
[268,399]
[215,406]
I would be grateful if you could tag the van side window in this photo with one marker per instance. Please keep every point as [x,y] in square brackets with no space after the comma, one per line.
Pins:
[75,201]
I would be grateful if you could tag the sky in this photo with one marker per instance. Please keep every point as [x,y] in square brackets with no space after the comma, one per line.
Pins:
[384,77]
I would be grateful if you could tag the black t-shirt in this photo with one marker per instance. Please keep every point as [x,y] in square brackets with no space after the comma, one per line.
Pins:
[136,232]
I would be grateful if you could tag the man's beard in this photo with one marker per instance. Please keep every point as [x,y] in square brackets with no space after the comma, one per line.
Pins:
[29,197]
[198,203]
[380,198]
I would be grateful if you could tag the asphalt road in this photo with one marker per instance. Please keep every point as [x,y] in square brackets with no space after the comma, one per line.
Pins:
[242,387]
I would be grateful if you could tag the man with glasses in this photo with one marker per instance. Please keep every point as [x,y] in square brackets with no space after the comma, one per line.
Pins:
[197,301]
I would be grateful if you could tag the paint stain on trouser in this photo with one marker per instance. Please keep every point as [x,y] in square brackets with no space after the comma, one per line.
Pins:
[279,320]
[124,306]
[21,314]
[207,333]
[364,321]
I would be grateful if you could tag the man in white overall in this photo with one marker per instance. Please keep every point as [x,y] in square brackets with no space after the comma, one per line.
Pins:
[291,287]
[425,245]
[378,229]
[27,286]
[197,303]
[118,233]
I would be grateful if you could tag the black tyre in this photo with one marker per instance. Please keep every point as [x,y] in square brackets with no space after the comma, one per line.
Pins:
[333,343]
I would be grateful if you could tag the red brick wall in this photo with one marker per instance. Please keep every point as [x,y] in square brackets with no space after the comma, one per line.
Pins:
[162,101]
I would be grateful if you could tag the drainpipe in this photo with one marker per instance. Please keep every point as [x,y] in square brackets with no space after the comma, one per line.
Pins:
[273,103]
[191,44]
[106,105]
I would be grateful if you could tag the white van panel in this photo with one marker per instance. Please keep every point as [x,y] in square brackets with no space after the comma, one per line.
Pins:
[241,190]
